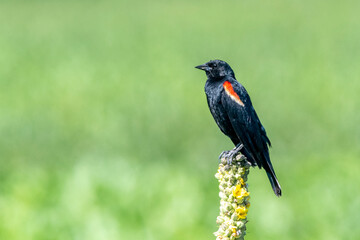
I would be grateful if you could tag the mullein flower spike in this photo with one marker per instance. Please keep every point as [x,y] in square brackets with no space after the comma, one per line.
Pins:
[234,198]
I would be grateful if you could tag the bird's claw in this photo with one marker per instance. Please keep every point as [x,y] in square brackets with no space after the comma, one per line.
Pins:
[224,153]
[229,155]
[229,160]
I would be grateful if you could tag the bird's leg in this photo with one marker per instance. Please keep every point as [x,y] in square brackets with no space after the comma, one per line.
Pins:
[233,152]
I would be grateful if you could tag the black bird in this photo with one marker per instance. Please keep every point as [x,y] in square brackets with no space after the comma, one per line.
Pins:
[231,107]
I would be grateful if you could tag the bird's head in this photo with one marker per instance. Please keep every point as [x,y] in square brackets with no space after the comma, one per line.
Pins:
[216,69]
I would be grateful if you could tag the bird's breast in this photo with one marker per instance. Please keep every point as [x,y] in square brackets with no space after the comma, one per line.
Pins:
[219,114]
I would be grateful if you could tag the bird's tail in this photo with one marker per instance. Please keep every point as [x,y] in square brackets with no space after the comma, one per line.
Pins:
[274,182]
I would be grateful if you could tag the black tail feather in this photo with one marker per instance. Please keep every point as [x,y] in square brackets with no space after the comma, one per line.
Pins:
[274,183]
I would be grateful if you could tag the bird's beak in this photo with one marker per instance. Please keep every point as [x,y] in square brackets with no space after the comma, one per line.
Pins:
[203,67]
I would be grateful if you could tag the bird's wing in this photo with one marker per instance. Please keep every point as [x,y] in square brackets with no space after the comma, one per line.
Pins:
[262,129]
[248,128]
[245,122]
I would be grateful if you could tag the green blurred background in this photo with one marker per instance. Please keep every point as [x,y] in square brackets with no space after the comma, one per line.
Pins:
[106,134]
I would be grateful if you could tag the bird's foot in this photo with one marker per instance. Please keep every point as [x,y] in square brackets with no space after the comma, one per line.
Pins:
[223,154]
[229,155]
[233,152]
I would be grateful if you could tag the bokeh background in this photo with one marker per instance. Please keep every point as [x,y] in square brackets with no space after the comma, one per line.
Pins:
[106,134]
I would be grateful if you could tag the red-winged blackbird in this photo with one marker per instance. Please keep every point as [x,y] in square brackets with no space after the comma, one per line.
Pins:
[231,107]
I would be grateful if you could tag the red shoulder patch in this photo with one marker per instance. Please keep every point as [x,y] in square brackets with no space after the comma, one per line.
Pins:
[231,93]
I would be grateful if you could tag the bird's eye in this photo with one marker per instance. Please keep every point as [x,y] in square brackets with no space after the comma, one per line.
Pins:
[212,65]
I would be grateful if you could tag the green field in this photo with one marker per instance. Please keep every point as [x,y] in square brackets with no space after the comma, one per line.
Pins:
[106,134]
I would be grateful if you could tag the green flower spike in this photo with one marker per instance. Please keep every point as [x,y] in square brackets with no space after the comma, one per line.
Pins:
[234,198]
